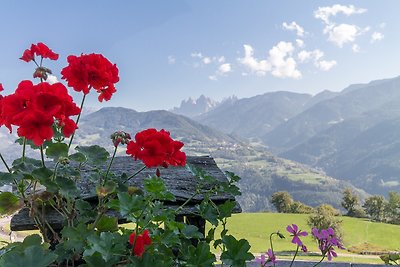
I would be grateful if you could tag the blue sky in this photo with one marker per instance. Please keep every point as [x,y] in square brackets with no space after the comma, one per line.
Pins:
[170,50]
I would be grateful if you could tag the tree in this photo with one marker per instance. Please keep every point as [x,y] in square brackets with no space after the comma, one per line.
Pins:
[350,202]
[393,208]
[325,217]
[375,207]
[282,201]
[298,207]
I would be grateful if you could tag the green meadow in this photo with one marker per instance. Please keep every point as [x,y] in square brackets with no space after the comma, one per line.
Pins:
[357,234]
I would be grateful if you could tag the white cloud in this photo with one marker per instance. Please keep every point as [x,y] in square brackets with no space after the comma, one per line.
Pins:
[51,79]
[316,56]
[376,36]
[300,43]
[305,56]
[343,33]
[259,67]
[325,65]
[293,26]
[324,13]
[224,68]
[206,60]
[356,48]
[171,60]
[279,62]
[196,55]
[221,59]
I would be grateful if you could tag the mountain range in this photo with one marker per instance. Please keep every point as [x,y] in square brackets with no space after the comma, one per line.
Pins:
[262,173]
[352,135]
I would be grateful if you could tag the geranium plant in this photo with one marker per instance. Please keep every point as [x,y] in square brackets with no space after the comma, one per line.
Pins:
[46,118]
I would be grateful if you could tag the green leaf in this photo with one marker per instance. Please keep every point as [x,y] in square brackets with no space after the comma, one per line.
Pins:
[9,203]
[237,251]
[67,187]
[27,165]
[208,212]
[77,157]
[107,224]
[95,155]
[201,256]
[29,253]
[155,186]
[57,150]
[74,238]
[191,231]
[128,204]
[225,210]
[109,245]
[8,178]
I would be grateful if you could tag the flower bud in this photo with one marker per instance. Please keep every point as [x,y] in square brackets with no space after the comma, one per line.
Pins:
[120,137]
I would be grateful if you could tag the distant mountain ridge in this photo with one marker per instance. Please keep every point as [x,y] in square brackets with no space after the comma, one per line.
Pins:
[193,107]
[344,133]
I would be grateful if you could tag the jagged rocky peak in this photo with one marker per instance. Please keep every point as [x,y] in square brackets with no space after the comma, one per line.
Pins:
[193,107]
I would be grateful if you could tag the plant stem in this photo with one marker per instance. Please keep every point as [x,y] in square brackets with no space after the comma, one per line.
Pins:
[42,155]
[23,150]
[272,247]
[323,257]
[5,163]
[77,120]
[187,201]
[295,254]
[136,173]
[109,166]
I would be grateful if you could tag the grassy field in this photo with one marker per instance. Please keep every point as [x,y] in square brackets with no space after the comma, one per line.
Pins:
[256,228]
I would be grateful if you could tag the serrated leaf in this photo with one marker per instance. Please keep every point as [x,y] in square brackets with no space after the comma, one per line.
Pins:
[225,210]
[208,212]
[95,155]
[201,256]
[191,231]
[67,187]
[237,251]
[155,186]
[27,165]
[9,203]
[29,253]
[57,150]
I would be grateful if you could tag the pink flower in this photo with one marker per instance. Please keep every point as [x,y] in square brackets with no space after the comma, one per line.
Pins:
[296,233]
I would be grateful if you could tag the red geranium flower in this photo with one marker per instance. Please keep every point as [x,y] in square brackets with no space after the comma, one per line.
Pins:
[39,49]
[91,71]
[156,148]
[35,108]
[141,241]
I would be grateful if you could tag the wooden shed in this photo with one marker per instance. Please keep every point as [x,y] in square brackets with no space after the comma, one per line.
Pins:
[180,181]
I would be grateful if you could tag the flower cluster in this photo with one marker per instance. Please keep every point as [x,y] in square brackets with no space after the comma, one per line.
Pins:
[267,258]
[39,49]
[327,240]
[91,71]
[156,148]
[36,108]
[138,242]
